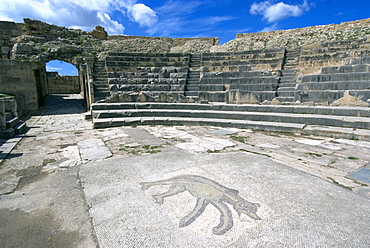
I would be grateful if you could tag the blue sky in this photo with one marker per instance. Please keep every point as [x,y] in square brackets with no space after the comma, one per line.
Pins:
[180,18]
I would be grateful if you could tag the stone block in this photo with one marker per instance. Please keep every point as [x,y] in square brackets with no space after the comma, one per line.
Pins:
[213,96]
[241,97]
[351,111]
[211,87]
[15,33]
[3,117]
[7,133]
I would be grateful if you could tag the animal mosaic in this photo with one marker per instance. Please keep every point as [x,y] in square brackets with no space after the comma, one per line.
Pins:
[207,192]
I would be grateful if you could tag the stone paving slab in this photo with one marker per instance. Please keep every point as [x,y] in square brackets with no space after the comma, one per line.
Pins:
[362,175]
[93,149]
[296,209]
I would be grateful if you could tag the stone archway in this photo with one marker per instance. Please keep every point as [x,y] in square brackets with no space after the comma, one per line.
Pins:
[62,78]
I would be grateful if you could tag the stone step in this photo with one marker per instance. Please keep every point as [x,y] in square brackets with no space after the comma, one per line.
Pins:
[7,133]
[8,116]
[329,96]
[285,99]
[99,64]
[287,80]
[291,59]
[100,68]
[12,122]
[292,56]
[144,59]
[20,128]
[100,72]
[244,81]
[105,80]
[345,69]
[192,88]
[194,76]
[236,74]
[290,71]
[335,132]
[285,93]
[191,93]
[131,64]
[340,77]
[290,67]
[307,119]
[193,81]
[287,85]
[250,87]
[286,88]
[300,109]
[333,86]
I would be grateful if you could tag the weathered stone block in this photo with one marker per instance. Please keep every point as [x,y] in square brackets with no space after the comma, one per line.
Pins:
[241,97]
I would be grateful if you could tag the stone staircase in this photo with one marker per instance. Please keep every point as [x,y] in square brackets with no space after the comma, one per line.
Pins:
[337,122]
[101,86]
[10,124]
[285,92]
[14,126]
[192,82]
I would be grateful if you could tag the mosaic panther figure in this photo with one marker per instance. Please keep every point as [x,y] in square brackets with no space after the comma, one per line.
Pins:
[207,192]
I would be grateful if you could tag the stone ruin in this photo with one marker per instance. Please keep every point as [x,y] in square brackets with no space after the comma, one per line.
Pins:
[314,66]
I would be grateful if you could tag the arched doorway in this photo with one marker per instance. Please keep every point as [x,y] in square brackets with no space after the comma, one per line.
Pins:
[62,78]
[63,68]
[63,88]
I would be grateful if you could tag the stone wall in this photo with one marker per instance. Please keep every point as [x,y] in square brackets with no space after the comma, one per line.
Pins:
[57,84]
[26,81]
[41,41]
[8,30]
[299,37]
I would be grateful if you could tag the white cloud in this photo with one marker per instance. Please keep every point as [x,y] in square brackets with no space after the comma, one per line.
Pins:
[143,15]
[179,7]
[273,27]
[176,20]
[83,14]
[50,68]
[112,27]
[278,11]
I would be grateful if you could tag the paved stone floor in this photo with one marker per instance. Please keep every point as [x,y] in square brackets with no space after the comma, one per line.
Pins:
[64,184]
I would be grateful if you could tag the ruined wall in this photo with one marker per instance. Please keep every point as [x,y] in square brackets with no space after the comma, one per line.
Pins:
[299,37]
[8,30]
[26,81]
[40,41]
[57,84]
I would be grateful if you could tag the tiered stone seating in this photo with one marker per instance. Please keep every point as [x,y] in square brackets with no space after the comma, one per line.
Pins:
[215,86]
[333,81]
[129,61]
[267,59]
[316,56]
[339,122]
[246,72]
[152,74]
